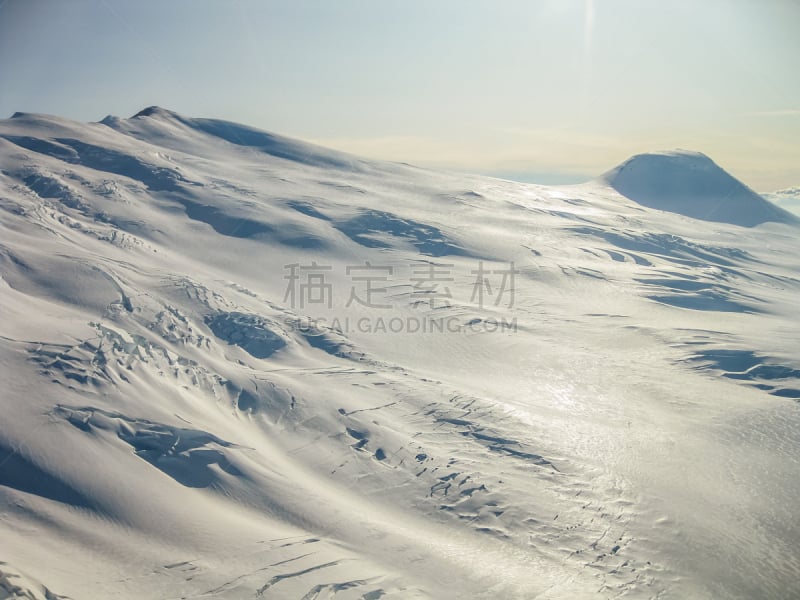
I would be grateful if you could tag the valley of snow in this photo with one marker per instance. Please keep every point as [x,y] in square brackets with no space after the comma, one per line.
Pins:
[235,365]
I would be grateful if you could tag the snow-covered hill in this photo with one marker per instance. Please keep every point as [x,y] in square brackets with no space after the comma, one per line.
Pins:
[236,365]
[691,184]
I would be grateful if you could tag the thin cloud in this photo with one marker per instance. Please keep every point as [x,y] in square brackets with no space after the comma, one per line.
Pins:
[788,112]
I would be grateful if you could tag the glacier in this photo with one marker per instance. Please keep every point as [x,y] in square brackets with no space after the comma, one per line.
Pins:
[198,401]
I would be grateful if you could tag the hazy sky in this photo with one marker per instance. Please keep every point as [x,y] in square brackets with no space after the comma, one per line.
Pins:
[547,90]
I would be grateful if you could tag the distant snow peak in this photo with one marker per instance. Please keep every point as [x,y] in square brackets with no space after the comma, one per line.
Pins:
[691,184]
[110,120]
[155,111]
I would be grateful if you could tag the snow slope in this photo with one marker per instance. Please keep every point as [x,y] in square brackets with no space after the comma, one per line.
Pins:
[177,420]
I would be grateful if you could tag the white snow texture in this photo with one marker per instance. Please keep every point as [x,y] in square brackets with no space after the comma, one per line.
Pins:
[608,407]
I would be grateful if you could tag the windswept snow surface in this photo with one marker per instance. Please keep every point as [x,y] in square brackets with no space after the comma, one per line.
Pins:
[236,365]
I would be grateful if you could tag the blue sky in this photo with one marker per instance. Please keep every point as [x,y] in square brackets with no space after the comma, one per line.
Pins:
[547,90]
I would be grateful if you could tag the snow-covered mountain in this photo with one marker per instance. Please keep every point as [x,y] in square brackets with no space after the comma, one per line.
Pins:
[237,365]
[691,184]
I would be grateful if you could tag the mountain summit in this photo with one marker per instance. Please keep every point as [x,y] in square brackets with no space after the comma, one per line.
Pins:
[691,184]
